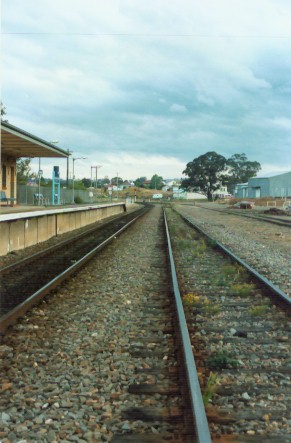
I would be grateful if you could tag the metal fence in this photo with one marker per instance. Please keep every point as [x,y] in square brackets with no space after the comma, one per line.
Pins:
[32,195]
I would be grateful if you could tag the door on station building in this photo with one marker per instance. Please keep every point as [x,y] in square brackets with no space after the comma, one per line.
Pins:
[4,177]
[12,182]
[258,192]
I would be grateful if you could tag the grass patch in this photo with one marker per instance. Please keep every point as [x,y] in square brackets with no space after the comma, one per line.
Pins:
[234,272]
[211,309]
[258,311]
[229,271]
[242,289]
[200,248]
[184,244]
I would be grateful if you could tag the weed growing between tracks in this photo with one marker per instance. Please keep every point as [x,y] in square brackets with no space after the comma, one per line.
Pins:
[198,304]
[233,278]
[242,289]
[211,387]
[259,311]
[235,272]
[221,360]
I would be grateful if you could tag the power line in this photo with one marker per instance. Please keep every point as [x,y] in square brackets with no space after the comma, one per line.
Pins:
[120,34]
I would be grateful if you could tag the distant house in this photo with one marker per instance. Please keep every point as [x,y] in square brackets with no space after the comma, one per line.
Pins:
[127,184]
[221,192]
[276,186]
[179,193]
[115,188]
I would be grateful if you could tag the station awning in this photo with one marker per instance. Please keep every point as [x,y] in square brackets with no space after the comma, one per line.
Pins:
[17,143]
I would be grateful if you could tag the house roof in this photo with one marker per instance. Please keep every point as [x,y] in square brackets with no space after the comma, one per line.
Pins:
[16,143]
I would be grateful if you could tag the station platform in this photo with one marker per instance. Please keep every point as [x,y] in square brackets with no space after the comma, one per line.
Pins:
[23,226]
[4,209]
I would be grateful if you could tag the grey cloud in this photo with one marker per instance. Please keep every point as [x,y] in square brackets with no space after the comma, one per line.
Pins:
[173,96]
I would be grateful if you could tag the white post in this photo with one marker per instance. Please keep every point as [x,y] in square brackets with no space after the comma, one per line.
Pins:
[73,181]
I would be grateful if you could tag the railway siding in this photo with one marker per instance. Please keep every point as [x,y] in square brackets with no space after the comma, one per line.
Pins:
[241,342]
[263,246]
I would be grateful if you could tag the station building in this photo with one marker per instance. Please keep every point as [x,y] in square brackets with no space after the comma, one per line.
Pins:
[276,186]
[17,143]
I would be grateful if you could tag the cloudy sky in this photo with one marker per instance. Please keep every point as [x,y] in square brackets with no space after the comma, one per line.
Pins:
[143,87]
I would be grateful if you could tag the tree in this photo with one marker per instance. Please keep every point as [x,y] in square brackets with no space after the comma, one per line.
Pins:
[116,181]
[3,112]
[139,182]
[240,170]
[104,181]
[156,182]
[86,182]
[23,169]
[205,173]
[78,184]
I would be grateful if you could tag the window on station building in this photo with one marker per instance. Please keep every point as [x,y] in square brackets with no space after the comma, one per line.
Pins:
[4,176]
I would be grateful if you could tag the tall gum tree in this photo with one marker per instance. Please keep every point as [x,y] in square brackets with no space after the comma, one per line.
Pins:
[240,170]
[205,173]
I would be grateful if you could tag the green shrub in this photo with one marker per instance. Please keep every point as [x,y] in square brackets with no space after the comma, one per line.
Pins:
[212,243]
[221,360]
[78,200]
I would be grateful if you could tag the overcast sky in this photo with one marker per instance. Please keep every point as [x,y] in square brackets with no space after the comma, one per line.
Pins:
[144,87]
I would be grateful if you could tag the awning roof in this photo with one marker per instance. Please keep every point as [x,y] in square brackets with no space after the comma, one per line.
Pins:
[17,143]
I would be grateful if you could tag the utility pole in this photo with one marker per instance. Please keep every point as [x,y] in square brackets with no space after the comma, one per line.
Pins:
[96,182]
[73,188]
[92,167]
[68,160]
[39,178]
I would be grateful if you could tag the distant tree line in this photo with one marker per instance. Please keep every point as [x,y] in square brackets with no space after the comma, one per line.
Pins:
[24,175]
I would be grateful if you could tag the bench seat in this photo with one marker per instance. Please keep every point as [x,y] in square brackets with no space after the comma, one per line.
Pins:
[5,199]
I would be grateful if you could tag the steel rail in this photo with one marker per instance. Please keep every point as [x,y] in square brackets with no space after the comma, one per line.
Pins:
[277,291]
[11,317]
[279,222]
[195,395]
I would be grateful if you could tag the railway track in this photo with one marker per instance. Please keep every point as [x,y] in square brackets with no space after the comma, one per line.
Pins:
[286,222]
[240,332]
[26,281]
[264,246]
[101,359]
